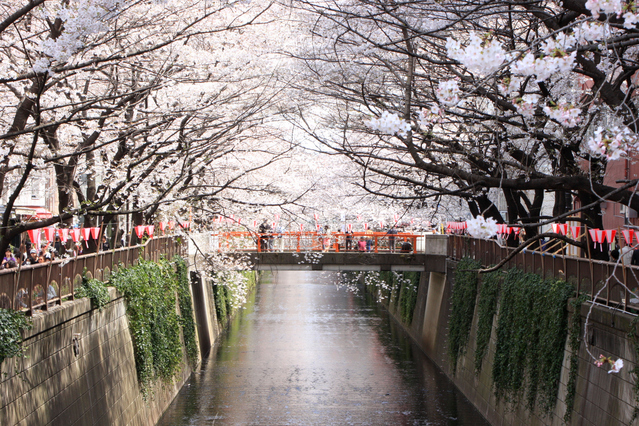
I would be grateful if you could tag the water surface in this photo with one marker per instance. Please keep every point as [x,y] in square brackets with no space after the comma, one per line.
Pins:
[304,352]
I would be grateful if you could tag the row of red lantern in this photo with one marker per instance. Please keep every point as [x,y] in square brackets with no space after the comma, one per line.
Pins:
[456,227]
[149,229]
[87,234]
[602,235]
[63,233]
[504,229]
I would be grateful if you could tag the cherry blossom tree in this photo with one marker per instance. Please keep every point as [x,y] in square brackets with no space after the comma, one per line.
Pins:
[148,101]
[459,98]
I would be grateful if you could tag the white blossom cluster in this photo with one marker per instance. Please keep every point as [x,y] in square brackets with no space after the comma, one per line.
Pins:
[587,32]
[389,123]
[564,113]
[236,283]
[543,68]
[80,20]
[614,8]
[448,92]
[480,227]
[430,116]
[613,143]
[597,7]
[527,104]
[479,56]
[509,85]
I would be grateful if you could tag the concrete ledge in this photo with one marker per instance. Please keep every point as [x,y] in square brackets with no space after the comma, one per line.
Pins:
[348,261]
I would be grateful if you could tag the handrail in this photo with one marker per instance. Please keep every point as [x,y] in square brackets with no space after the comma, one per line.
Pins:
[38,287]
[588,275]
[315,241]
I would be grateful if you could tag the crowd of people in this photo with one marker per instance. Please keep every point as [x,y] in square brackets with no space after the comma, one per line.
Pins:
[327,240]
[29,254]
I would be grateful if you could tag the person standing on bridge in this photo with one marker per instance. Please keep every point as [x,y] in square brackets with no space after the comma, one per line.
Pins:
[349,240]
[391,238]
[264,230]
[326,239]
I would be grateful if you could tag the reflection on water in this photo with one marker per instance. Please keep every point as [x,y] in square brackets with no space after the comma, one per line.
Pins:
[304,352]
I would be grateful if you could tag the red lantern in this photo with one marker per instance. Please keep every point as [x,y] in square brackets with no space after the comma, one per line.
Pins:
[95,233]
[139,231]
[34,236]
[49,234]
[64,234]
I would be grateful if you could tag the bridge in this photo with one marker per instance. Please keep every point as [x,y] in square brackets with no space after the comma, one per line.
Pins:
[336,251]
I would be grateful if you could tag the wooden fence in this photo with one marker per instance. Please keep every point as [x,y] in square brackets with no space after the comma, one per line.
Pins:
[601,280]
[38,287]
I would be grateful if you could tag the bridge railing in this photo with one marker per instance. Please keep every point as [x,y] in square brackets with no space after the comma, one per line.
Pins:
[376,242]
[38,287]
[589,276]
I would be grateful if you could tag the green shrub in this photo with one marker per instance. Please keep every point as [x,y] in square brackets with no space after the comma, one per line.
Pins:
[95,290]
[12,323]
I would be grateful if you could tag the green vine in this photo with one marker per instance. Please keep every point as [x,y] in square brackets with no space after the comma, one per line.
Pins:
[186,310]
[408,295]
[486,309]
[150,291]
[219,291]
[95,290]
[12,323]
[531,337]
[462,309]
[574,342]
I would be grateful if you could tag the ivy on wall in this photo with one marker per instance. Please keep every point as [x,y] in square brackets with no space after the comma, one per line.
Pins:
[150,291]
[632,336]
[95,290]
[397,290]
[221,300]
[486,309]
[463,308]
[532,327]
[574,342]
[531,336]
[187,316]
[12,323]
[408,295]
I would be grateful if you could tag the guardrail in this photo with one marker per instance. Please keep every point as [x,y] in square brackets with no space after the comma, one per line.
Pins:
[377,242]
[38,287]
[588,276]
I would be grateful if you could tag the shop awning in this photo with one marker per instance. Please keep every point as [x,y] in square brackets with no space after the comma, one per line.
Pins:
[33,212]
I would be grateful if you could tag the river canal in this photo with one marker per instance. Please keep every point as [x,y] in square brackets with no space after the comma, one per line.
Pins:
[305,352]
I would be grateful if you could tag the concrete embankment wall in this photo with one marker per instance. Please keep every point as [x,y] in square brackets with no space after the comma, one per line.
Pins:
[600,399]
[79,368]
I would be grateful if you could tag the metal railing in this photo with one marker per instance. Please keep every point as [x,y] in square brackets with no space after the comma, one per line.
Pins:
[602,281]
[377,242]
[38,287]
